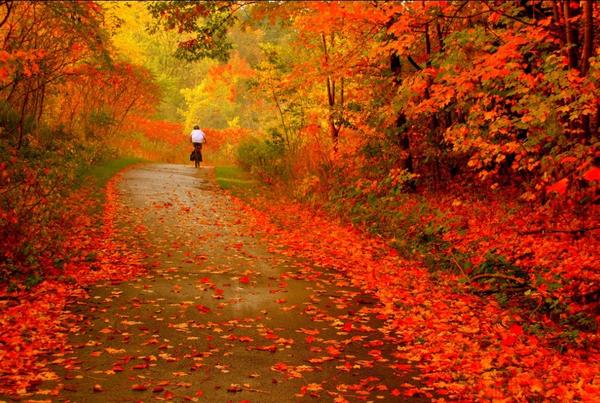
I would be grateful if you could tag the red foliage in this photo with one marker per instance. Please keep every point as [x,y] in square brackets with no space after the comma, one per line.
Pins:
[554,252]
[593,174]
[34,323]
[466,347]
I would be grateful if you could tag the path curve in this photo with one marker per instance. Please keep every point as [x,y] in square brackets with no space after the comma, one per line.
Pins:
[219,317]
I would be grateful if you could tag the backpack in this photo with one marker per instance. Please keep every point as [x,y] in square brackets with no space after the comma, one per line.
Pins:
[192,156]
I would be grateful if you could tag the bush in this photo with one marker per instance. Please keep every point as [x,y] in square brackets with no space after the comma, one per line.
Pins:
[265,158]
[35,181]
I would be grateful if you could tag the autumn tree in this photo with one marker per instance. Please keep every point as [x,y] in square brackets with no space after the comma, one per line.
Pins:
[99,101]
[63,94]
[203,25]
[42,45]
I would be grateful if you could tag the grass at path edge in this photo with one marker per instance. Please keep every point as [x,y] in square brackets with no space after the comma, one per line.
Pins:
[97,176]
[234,179]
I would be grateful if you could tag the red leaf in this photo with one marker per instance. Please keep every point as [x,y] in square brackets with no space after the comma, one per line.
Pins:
[332,351]
[203,309]
[516,330]
[272,348]
[593,174]
[559,187]
[280,366]
[509,340]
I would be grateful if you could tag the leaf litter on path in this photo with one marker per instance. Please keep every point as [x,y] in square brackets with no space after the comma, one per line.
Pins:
[228,318]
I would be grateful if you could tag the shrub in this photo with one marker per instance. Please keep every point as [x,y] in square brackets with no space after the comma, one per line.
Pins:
[35,181]
[267,159]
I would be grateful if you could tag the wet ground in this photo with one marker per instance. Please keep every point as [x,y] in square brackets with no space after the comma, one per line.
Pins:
[219,317]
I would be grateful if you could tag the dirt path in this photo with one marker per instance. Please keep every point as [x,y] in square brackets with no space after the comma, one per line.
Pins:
[219,317]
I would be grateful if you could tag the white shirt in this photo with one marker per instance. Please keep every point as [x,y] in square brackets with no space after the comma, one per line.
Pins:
[198,136]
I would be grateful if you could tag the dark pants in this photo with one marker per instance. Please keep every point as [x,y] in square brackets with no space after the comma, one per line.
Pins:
[198,146]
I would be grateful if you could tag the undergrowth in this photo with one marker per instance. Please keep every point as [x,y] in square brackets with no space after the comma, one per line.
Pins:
[234,179]
[424,228]
[45,189]
[476,239]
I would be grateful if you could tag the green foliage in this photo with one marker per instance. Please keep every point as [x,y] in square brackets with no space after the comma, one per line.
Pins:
[35,181]
[495,263]
[100,119]
[32,280]
[10,123]
[236,180]
[9,120]
[206,22]
[154,50]
[265,158]
[102,170]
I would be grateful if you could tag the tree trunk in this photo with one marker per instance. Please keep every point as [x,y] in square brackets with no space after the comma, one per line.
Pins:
[588,36]
[571,36]
[41,105]
[334,130]
[405,157]
[427,45]
[586,53]
[22,120]
[285,129]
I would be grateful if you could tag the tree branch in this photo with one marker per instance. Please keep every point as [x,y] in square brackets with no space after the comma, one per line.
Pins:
[414,64]
[559,231]
[9,5]
[497,275]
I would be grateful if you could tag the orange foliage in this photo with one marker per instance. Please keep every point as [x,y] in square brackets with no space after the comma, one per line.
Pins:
[100,100]
[216,139]
[158,130]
